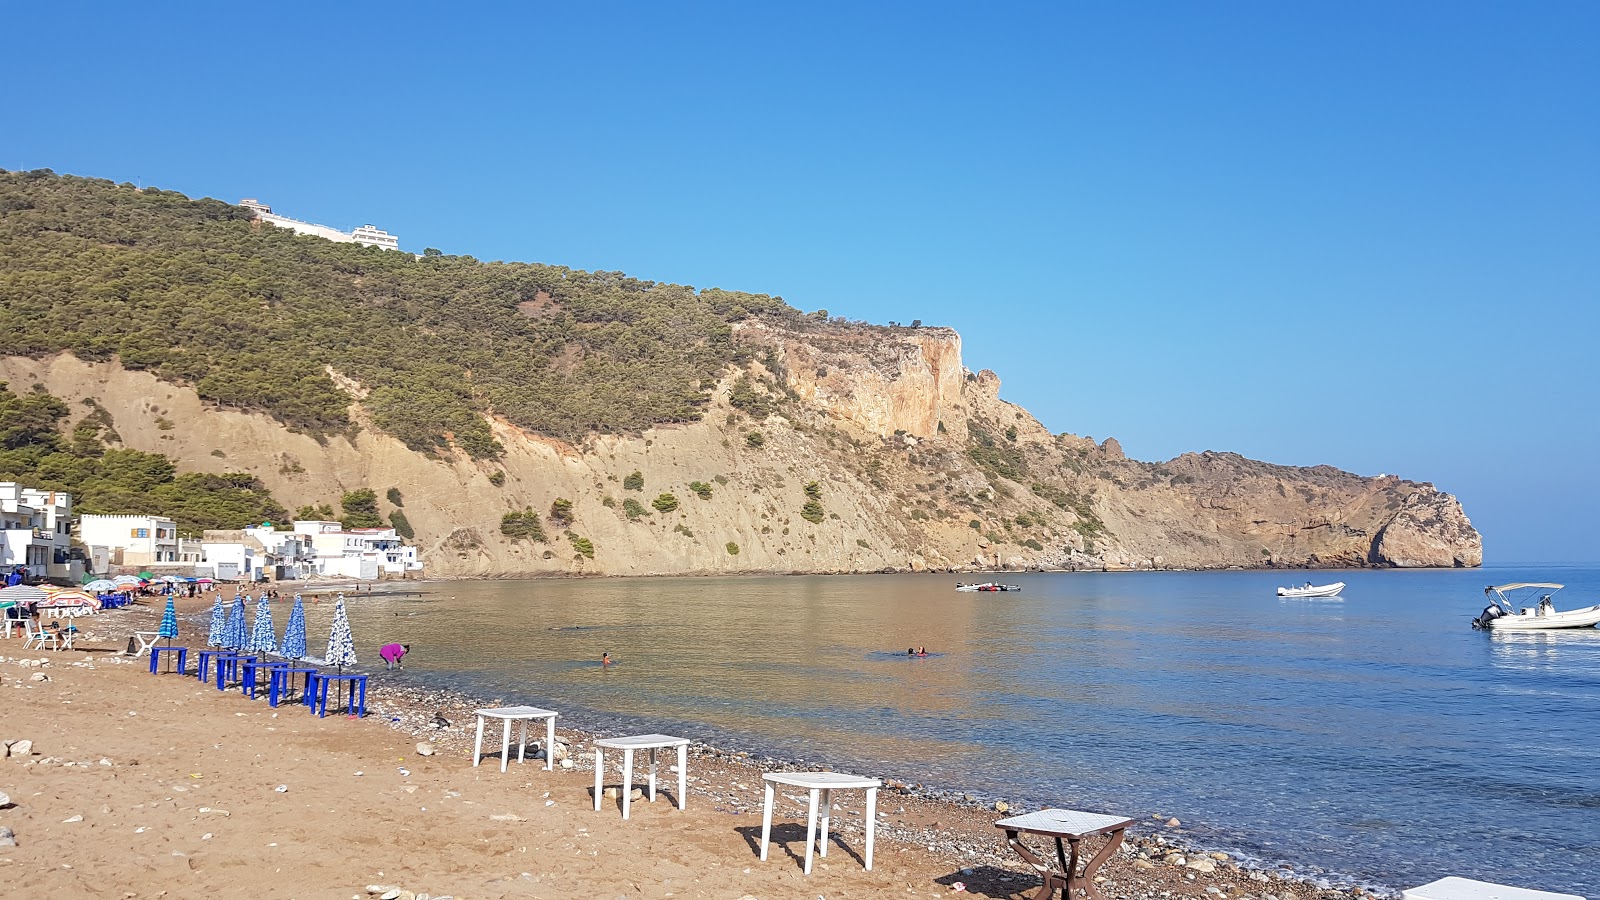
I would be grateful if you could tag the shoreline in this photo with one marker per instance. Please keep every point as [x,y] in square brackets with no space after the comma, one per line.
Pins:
[955,830]
[787,573]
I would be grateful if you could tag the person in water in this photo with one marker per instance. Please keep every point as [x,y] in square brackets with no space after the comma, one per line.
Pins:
[605,658]
[392,654]
[911,651]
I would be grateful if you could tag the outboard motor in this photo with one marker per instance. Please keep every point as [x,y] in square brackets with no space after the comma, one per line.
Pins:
[1489,614]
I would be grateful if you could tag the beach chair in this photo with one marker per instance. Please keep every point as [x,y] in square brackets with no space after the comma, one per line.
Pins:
[41,635]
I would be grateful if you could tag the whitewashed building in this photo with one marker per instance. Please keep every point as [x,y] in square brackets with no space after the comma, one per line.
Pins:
[132,540]
[36,531]
[362,553]
[367,235]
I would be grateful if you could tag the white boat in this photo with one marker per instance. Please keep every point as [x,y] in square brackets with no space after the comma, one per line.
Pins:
[987,587]
[1312,590]
[1504,614]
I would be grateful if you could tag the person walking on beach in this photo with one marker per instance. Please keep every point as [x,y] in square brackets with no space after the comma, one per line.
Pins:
[392,654]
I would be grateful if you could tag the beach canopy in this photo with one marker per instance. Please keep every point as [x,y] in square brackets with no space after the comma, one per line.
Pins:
[202,580]
[128,580]
[169,621]
[233,635]
[22,593]
[294,634]
[101,584]
[219,624]
[147,576]
[262,639]
[341,646]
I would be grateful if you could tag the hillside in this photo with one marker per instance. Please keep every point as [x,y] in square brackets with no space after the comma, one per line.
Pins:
[688,431]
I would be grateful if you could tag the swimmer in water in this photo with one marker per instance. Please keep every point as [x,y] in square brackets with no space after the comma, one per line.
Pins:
[605,658]
[911,651]
[922,651]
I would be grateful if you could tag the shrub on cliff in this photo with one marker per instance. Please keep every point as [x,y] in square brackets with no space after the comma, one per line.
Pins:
[402,525]
[634,481]
[360,509]
[583,545]
[812,512]
[665,503]
[561,512]
[632,508]
[524,525]
[700,489]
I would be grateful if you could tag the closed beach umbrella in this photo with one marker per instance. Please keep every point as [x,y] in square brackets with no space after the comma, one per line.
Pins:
[169,622]
[233,636]
[169,627]
[262,638]
[294,634]
[219,624]
[341,646]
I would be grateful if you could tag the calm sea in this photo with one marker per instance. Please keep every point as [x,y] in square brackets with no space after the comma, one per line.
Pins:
[1376,737]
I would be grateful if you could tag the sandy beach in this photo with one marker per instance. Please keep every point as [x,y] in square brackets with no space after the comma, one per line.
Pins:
[141,785]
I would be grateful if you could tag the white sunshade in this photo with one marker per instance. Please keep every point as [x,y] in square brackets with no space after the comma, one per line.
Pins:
[1527,584]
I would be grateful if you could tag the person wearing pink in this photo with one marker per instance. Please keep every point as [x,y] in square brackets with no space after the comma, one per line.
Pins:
[392,654]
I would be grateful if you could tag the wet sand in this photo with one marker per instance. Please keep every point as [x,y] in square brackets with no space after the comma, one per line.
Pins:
[177,786]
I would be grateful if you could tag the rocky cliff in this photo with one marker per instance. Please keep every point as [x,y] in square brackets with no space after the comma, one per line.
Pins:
[829,448]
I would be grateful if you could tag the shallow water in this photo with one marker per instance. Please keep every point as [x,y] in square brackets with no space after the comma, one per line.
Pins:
[1376,736]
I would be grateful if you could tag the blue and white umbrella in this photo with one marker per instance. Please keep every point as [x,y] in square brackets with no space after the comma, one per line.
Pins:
[262,638]
[219,623]
[341,646]
[294,634]
[233,635]
[169,622]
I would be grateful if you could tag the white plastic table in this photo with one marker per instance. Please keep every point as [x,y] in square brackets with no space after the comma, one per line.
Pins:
[627,745]
[1454,888]
[146,640]
[1071,826]
[824,783]
[523,713]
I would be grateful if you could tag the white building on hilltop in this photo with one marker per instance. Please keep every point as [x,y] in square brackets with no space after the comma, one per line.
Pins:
[366,235]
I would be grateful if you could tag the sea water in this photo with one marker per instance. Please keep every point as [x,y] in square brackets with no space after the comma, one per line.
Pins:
[1374,738]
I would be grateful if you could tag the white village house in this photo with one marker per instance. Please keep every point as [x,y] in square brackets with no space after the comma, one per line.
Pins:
[313,548]
[129,541]
[36,531]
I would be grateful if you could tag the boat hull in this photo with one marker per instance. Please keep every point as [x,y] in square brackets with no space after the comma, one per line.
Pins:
[1572,618]
[1322,590]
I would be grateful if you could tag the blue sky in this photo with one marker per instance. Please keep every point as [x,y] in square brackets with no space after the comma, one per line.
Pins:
[1360,234]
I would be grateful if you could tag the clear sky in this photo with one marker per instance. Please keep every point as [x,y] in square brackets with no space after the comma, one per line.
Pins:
[1360,234]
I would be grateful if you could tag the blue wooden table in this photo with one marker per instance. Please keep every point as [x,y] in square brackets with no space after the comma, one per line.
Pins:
[252,674]
[183,657]
[282,680]
[358,692]
[228,667]
[202,670]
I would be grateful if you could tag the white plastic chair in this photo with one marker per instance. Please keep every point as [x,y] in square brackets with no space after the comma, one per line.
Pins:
[40,634]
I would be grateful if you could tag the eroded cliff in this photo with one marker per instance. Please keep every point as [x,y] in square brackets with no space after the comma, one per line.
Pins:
[833,448]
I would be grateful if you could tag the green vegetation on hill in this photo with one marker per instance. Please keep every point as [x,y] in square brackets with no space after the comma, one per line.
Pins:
[118,481]
[260,318]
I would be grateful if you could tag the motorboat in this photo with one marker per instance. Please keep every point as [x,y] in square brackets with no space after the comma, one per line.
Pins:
[1312,590]
[987,587]
[1505,609]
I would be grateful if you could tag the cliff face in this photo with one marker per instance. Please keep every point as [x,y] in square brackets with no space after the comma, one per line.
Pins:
[917,464]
